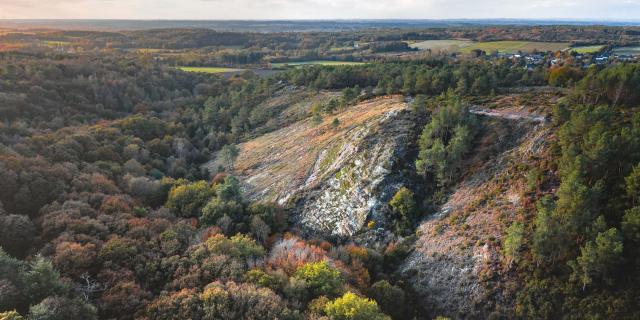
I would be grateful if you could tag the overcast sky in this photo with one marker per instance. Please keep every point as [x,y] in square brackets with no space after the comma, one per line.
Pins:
[319,9]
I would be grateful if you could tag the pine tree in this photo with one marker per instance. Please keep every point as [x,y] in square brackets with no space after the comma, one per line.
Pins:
[598,260]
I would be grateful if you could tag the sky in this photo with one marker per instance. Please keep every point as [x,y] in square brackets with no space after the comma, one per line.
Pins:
[320,9]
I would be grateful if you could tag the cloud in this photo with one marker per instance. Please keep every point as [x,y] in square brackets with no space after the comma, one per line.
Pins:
[319,9]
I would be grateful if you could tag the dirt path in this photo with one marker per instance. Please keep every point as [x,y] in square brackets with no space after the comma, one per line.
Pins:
[510,114]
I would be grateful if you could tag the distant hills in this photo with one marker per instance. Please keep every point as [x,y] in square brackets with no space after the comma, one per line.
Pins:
[289,25]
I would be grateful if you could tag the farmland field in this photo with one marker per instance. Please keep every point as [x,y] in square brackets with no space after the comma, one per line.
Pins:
[209,69]
[441,44]
[629,51]
[57,43]
[335,49]
[315,62]
[467,46]
[228,72]
[515,46]
[149,50]
[587,49]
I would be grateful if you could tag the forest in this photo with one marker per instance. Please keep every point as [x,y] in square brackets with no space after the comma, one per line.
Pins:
[107,210]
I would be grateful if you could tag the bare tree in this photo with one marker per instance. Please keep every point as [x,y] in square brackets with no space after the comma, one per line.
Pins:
[89,286]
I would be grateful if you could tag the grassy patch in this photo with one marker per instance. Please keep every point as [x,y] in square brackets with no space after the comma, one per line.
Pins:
[345,177]
[467,46]
[334,49]
[515,46]
[315,62]
[330,157]
[587,49]
[150,50]
[233,47]
[450,45]
[209,69]
[57,43]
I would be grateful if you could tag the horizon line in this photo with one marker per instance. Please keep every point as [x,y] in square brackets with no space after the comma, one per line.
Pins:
[328,19]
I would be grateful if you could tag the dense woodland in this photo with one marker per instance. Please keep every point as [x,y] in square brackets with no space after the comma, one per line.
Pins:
[106,211]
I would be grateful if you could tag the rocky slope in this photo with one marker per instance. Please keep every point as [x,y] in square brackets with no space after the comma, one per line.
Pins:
[335,178]
[458,251]
[365,174]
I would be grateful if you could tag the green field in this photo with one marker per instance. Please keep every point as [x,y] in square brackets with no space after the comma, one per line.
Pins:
[628,51]
[450,45]
[149,50]
[334,49]
[515,46]
[315,62]
[467,46]
[209,69]
[587,49]
[57,43]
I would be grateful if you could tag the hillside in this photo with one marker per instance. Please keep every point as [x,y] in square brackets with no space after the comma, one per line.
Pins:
[290,104]
[336,179]
[458,252]
[335,176]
